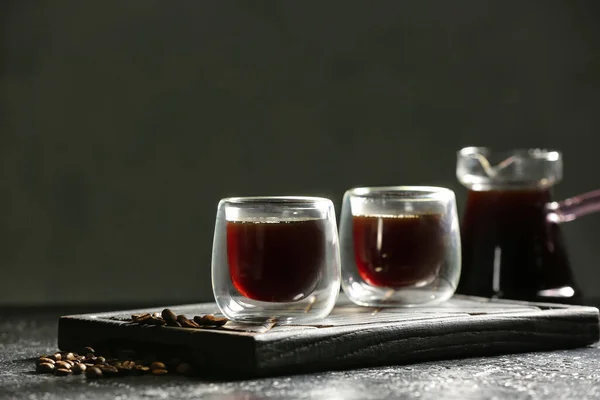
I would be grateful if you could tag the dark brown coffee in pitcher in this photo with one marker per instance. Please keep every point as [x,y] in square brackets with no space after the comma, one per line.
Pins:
[512,244]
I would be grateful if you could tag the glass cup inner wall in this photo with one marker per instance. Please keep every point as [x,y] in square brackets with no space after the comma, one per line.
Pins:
[400,245]
[276,258]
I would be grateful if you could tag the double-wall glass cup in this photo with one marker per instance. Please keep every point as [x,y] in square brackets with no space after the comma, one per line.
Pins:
[276,259]
[400,245]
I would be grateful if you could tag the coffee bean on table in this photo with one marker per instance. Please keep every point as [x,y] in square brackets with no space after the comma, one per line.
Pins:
[62,371]
[62,364]
[78,369]
[157,365]
[183,368]
[93,372]
[142,368]
[69,356]
[99,360]
[109,370]
[159,372]
[55,357]
[42,360]
[45,368]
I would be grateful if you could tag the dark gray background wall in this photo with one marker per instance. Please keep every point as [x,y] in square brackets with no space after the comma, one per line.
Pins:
[122,123]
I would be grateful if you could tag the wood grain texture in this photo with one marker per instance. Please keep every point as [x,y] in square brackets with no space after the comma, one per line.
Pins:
[350,337]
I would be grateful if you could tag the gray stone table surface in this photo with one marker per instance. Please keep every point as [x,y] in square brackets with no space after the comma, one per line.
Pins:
[569,374]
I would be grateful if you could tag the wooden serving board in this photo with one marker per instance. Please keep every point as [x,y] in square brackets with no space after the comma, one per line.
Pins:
[350,337]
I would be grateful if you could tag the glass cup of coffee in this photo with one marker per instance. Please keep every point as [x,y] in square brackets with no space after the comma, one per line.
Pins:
[276,259]
[400,245]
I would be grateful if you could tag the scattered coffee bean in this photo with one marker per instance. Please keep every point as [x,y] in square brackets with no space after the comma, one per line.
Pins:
[108,370]
[78,369]
[62,364]
[156,321]
[210,320]
[141,318]
[169,316]
[62,371]
[159,372]
[46,360]
[99,360]
[93,373]
[88,350]
[95,366]
[45,368]
[157,365]
[183,368]
[186,323]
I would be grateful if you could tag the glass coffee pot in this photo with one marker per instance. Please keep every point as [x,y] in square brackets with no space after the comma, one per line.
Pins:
[512,244]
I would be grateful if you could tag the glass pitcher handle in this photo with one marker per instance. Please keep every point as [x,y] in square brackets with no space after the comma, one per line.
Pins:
[574,207]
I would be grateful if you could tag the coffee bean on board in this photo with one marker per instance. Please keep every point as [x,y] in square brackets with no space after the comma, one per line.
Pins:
[156,320]
[169,316]
[210,320]
[186,323]
[141,318]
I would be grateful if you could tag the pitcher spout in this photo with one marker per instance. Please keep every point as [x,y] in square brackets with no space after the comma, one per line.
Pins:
[574,207]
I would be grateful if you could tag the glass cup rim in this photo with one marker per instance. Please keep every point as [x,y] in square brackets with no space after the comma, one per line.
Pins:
[407,193]
[276,200]
[529,153]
